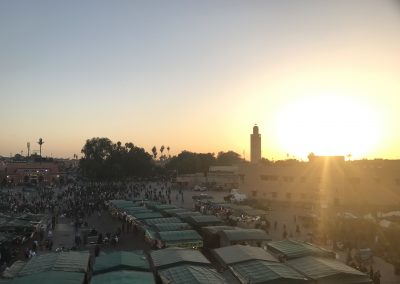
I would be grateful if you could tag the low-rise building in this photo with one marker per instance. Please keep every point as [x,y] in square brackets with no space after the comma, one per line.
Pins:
[222,177]
[33,173]
[324,181]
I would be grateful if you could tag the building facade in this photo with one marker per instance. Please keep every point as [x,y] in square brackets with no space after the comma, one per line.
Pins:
[221,177]
[33,173]
[325,182]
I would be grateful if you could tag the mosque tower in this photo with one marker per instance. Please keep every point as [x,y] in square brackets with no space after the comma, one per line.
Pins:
[255,145]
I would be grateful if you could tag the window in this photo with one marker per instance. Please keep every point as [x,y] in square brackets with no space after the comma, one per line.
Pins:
[274,194]
[288,195]
[398,181]
[377,180]
[303,196]
[288,178]
[254,193]
[303,179]
[269,177]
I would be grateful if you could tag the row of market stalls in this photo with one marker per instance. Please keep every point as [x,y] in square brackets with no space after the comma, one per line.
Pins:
[166,226]
[240,264]
[122,267]
[61,268]
[303,264]
[16,230]
[241,255]
[177,265]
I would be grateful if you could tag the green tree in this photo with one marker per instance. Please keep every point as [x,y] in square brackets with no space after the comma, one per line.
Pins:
[104,160]
[154,151]
[228,158]
[40,142]
[95,152]
[187,162]
[161,151]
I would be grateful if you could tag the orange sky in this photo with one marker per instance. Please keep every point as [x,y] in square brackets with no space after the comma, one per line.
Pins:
[197,76]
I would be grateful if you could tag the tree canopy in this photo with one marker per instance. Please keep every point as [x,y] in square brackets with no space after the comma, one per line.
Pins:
[228,158]
[105,160]
[188,162]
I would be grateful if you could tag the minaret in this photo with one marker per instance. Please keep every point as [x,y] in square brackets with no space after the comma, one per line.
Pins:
[255,145]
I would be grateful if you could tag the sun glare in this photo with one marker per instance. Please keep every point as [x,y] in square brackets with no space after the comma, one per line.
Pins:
[328,125]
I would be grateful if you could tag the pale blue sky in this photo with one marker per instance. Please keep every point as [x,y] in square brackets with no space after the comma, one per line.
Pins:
[189,74]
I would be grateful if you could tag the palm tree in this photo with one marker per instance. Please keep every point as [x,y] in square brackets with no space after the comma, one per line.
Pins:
[162,150]
[154,150]
[40,142]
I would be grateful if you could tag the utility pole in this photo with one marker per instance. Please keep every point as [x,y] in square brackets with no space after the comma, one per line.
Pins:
[28,145]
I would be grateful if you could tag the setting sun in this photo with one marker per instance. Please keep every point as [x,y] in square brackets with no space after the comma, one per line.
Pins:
[328,125]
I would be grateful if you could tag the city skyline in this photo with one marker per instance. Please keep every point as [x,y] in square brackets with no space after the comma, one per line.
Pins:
[197,76]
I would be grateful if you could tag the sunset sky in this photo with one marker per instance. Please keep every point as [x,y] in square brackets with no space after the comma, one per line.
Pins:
[321,76]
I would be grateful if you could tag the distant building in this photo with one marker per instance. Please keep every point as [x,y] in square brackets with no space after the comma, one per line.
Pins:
[255,145]
[222,177]
[33,173]
[323,182]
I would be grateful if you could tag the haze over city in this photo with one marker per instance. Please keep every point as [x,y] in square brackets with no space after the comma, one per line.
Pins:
[316,76]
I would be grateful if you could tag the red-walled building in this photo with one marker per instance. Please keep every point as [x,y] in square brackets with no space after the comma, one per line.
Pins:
[33,172]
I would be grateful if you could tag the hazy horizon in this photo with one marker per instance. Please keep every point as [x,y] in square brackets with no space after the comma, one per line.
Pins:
[315,76]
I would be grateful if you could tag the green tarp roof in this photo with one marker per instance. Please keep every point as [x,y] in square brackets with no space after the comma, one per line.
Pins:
[124,277]
[187,214]
[204,220]
[51,277]
[163,207]
[71,261]
[151,233]
[266,272]
[148,203]
[215,229]
[146,215]
[7,223]
[32,217]
[5,237]
[163,220]
[245,234]
[238,253]
[326,270]
[136,209]
[121,260]
[171,212]
[191,274]
[294,249]
[177,236]
[174,256]
[172,227]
